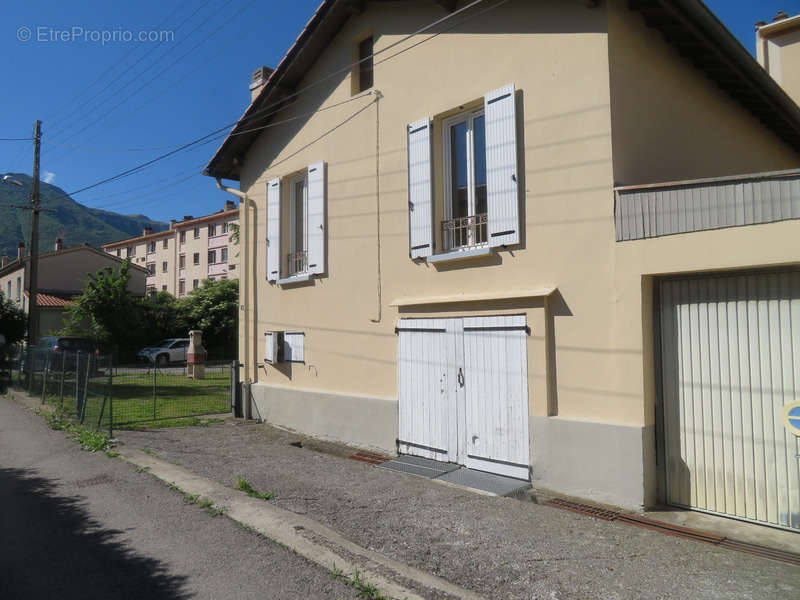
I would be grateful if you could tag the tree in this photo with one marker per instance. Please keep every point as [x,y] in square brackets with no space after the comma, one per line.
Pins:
[13,320]
[213,309]
[107,312]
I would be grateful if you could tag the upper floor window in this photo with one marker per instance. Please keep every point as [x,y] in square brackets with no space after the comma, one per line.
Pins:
[151,247]
[181,287]
[19,288]
[164,266]
[365,65]
[464,146]
[296,207]
[130,251]
[223,255]
[212,257]
[480,194]
[183,237]
[196,258]
[195,284]
[212,230]
[224,227]
[163,288]
[151,268]
[196,232]
[8,294]
[165,243]
[119,252]
[182,261]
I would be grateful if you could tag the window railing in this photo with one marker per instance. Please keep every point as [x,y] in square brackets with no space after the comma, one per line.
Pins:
[465,232]
[297,262]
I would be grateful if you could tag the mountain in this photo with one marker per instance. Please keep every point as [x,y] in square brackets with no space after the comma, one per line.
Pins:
[70,220]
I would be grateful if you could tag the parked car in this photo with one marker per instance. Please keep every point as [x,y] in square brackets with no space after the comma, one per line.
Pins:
[168,351]
[69,345]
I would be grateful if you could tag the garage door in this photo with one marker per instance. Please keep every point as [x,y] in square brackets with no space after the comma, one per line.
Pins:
[730,349]
[463,392]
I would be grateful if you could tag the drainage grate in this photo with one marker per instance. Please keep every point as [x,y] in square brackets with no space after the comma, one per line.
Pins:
[782,555]
[369,458]
[674,530]
[583,509]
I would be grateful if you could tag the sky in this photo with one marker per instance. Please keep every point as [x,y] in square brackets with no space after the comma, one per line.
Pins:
[109,102]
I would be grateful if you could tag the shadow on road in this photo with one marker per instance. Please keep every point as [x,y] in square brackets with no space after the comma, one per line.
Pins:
[51,548]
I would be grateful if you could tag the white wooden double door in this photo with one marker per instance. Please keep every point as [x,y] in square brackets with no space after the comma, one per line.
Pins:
[463,392]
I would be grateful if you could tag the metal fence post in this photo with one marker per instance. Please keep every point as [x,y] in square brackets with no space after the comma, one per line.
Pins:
[110,386]
[44,377]
[77,384]
[61,387]
[31,368]
[154,389]
[86,386]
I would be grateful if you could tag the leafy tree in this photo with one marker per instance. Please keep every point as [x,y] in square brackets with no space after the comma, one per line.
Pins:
[213,309]
[160,313]
[108,312]
[13,320]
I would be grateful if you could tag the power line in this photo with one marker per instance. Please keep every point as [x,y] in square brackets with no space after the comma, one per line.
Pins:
[153,64]
[27,139]
[110,68]
[208,137]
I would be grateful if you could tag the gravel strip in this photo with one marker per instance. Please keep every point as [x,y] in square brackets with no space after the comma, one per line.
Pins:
[499,547]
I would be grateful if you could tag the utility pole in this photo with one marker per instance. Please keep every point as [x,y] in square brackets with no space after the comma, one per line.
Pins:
[33,269]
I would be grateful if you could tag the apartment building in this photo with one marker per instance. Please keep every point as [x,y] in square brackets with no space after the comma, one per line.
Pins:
[556,241]
[191,250]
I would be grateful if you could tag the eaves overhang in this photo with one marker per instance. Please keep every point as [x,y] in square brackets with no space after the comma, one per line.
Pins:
[704,41]
[688,25]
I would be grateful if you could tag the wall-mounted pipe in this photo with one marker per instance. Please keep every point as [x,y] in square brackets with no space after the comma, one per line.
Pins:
[244,232]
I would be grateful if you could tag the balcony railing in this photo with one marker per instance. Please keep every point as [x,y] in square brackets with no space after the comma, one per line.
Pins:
[465,232]
[297,262]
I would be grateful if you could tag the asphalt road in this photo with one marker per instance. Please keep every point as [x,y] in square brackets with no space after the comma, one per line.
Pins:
[80,525]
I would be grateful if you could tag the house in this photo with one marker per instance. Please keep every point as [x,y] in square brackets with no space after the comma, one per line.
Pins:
[62,275]
[515,236]
[191,250]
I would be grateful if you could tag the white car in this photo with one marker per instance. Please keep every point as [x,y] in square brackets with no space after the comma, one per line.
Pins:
[172,350]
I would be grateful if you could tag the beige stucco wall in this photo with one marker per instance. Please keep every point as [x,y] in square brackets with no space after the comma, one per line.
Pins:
[670,122]
[590,341]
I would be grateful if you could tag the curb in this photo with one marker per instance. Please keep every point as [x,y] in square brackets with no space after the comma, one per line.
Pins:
[306,537]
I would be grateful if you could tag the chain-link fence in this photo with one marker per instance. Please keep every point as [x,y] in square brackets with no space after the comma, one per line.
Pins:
[98,394]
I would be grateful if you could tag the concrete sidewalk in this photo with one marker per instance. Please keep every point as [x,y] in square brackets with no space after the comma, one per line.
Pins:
[496,547]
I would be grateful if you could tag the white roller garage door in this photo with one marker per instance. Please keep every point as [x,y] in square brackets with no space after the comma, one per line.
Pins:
[730,356]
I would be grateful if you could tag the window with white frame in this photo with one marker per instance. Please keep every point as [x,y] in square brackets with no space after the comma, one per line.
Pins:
[151,247]
[223,255]
[212,257]
[196,232]
[165,244]
[195,284]
[196,258]
[182,261]
[151,268]
[464,170]
[225,227]
[212,230]
[181,287]
[296,206]
[479,180]
[293,346]
[164,266]
[297,260]
[183,237]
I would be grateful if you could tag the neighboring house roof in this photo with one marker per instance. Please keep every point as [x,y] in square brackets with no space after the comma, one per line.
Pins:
[686,24]
[17,264]
[186,223]
[53,299]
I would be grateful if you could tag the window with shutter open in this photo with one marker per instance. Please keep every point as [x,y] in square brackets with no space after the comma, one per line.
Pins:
[316,217]
[502,193]
[420,189]
[274,229]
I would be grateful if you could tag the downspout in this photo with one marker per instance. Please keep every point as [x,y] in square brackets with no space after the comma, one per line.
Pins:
[245,269]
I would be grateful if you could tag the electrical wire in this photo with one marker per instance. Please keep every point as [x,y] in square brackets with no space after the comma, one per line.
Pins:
[257,114]
[164,70]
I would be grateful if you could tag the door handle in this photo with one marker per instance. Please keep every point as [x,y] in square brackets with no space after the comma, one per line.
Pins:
[460,377]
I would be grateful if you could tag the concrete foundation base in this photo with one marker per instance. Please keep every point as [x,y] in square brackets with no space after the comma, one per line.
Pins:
[362,421]
[603,462]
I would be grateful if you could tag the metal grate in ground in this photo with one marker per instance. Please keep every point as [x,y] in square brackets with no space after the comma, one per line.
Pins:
[415,465]
[488,482]
[583,509]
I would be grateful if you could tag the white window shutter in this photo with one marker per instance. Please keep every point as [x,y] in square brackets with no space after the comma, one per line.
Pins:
[274,229]
[502,190]
[420,189]
[316,217]
[270,347]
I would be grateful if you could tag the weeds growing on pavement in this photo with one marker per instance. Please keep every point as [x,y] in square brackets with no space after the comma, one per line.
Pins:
[112,453]
[190,498]
[215,511]
[205,503]
[365,590]
[142,469]
[244,485]
[88,439]
[148,451]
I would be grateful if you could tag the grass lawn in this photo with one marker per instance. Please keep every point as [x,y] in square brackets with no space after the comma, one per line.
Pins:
[132,395]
